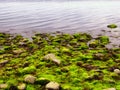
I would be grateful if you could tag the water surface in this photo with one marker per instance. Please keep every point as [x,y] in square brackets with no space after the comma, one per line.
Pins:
[65,16]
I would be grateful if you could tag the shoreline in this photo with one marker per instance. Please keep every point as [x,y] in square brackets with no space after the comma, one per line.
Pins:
[113,34]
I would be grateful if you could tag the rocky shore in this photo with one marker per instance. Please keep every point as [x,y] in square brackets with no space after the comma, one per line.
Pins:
[58,61]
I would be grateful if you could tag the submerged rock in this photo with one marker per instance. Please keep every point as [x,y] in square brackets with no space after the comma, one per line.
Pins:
[30,79]
[52,86]
[53,58]
[112,26]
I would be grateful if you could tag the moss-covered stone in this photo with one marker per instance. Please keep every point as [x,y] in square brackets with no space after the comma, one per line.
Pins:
[112,26]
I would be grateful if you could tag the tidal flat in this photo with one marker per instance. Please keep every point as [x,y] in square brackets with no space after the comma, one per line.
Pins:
[58,61]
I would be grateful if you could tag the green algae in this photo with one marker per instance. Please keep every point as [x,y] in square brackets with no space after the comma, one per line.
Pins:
[86,64]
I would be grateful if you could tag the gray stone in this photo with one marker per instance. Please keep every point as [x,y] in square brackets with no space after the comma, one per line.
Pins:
[52,86]
[30,79]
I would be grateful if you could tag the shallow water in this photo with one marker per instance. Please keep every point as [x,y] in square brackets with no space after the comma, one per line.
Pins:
[65,16]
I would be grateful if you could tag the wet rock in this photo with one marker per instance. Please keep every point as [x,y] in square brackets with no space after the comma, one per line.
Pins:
[30,79]
[53,58]
[52,86]
[117,71]
[22,86]
[3,86]
[110,89]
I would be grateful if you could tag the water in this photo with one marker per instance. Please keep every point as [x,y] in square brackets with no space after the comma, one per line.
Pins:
[65,16]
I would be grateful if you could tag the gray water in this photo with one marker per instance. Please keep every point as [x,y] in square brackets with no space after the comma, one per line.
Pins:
[65,16]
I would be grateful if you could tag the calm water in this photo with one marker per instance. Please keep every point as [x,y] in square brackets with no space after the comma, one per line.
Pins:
[67,16]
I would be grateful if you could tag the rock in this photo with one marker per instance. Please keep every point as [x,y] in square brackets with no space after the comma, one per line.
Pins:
[22,86]
[117,71]
[53,58]
[52,86]
[110,89]
[3,86]
[30,79]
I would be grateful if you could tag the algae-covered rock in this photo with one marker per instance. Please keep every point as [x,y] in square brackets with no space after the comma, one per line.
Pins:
[93,44]
[52,86]
[30,79]
[29,69]
[104,39]
[112,26]
[22,86]
[53,58]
